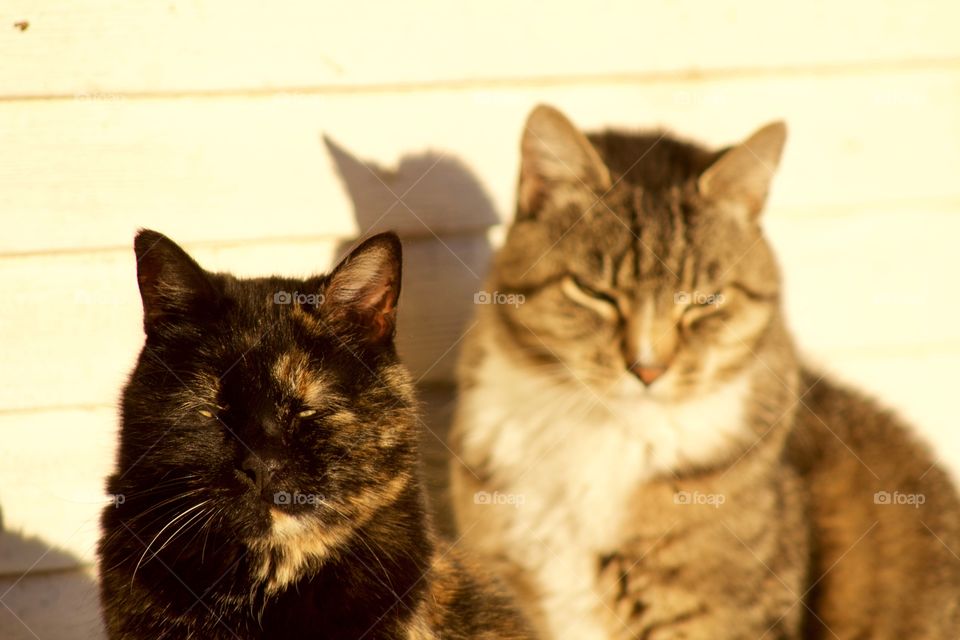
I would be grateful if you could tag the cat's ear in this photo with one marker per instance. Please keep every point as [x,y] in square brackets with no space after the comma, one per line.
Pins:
[362,291]
[171,283]
[741,176]
[554,152]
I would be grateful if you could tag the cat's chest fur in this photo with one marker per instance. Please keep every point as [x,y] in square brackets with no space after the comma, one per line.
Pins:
[573,461]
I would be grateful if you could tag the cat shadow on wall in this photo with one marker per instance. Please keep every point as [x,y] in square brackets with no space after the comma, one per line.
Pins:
[442,213]
[55,600]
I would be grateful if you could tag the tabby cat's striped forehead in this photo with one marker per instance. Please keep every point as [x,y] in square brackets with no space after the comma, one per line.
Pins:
[632,234]
[632,237]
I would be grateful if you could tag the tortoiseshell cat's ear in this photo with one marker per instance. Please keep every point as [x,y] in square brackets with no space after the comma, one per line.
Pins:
[171,283]
[362,291]
[554,153]
[740,178]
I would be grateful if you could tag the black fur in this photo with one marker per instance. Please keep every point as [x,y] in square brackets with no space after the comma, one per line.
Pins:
[214,430]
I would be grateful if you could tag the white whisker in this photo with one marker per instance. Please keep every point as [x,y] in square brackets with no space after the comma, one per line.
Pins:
[147,549]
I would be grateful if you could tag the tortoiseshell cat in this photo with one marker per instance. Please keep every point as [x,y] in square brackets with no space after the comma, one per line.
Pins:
[268,466]
[667,467]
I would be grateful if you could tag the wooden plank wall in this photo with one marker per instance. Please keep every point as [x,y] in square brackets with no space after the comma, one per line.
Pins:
[267,137]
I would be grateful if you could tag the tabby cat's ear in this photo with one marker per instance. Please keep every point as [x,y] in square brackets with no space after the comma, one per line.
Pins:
[362,291]
[554,153]
[172,285]
[740,178]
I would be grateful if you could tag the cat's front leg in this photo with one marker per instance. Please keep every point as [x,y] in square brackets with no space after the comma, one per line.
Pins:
[644,604]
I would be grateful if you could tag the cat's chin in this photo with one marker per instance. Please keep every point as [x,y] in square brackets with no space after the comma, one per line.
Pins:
[291,542]
[287,525]
[280,526]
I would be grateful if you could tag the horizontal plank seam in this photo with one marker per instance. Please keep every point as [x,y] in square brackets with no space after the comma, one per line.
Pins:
[648,77]
[936,206]
[466,231]
[871,352]
[87,406]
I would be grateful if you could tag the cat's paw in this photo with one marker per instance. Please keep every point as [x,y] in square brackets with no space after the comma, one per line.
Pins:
[619,595]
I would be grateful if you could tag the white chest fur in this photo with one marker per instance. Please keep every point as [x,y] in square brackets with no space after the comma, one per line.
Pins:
[574,459]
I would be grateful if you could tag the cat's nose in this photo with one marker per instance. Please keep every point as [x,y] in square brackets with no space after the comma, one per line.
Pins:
[648,374]
[259,471]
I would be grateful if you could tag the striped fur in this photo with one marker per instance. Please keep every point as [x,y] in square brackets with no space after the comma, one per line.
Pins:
[675,470]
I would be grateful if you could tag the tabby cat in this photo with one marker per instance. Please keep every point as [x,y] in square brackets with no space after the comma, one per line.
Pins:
[638,443]
[266,484]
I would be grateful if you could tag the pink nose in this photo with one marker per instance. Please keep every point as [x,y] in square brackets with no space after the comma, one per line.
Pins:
[647,375]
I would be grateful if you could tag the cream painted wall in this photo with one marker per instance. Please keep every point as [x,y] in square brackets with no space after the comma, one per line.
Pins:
[265,136]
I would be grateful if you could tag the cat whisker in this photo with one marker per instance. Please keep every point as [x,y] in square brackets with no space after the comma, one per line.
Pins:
[163,514]
[208,527]
[167,502]
[209,515]
[169,524]
[193,519]
[164,483]
[362,538]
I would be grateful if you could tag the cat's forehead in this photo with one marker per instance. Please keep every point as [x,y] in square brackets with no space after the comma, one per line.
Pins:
[633,232]
[294,373]
[271,351]
[649,235]
[265,374]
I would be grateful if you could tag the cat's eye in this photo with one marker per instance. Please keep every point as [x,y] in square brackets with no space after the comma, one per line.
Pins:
[590,296]
[206,413]
[593,291]
[307,413]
